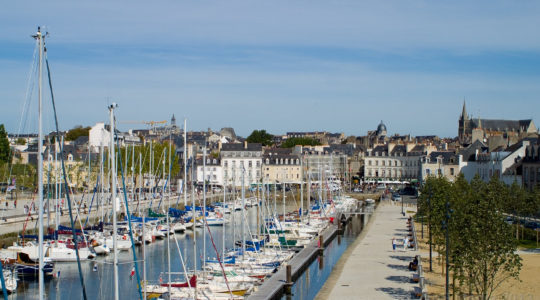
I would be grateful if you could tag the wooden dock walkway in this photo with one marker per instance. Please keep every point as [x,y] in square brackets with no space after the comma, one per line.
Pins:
[273,287]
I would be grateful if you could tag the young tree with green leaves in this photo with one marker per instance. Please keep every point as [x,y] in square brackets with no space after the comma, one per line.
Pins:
[260,136]
[304,141]
[5,150]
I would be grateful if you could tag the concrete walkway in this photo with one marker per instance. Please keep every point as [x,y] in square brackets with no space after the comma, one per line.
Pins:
[370,269]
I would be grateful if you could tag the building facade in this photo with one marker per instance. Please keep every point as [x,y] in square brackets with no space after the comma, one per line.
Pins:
[210,171]
[440,163]
[531,166]
[281,165]
[392,162]
[241,160]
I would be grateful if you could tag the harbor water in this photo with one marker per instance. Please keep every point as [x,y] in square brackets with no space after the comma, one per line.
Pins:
[99,284]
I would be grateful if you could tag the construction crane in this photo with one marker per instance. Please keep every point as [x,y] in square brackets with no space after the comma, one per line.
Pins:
[151,124]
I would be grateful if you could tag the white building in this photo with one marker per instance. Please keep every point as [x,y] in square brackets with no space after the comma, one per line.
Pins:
[241,159]
[395,162]
[99,135]
[496,163]
[210,172]
[440,163]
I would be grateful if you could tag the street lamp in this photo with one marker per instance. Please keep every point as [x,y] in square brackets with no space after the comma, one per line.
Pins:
[445,225]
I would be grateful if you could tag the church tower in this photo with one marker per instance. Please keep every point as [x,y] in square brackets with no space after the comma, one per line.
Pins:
[464,129]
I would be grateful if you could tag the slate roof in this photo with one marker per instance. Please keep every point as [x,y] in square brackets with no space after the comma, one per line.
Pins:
[448,157]
[240,147]
[469,152]
[502,125]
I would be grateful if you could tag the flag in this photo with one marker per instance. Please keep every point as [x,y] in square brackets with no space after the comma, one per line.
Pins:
[132,273]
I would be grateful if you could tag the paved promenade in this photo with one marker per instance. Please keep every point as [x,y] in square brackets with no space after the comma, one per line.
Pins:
[370,269]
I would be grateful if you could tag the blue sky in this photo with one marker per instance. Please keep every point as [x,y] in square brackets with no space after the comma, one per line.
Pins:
[340,66]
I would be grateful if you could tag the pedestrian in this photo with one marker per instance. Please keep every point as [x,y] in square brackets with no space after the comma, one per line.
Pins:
[393,243]
[405,243]
[15,204]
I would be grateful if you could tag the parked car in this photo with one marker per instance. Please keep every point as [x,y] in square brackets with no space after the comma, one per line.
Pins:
[396,197]
[357,190]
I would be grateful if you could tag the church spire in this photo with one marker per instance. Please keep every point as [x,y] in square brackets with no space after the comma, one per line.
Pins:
[464,115]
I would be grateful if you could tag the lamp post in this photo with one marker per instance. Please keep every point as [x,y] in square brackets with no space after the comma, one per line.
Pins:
[446,224]
[402,198]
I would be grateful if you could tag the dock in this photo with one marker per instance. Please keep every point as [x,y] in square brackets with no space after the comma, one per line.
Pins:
[273,287]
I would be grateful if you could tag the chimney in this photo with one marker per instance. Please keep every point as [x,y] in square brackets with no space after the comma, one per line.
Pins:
[245,144]
[219,145]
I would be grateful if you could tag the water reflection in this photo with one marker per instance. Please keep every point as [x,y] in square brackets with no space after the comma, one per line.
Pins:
[308,285]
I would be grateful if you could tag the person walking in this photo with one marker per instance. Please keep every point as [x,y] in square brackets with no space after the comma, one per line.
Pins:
[394,244]
[405,243]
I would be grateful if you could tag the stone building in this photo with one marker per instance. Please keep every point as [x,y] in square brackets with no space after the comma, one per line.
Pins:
[440,163]
[281,165]
[241,158]
[395,162]
[531,166]
[495,133]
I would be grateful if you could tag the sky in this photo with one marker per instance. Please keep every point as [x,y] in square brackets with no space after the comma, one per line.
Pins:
[338,66]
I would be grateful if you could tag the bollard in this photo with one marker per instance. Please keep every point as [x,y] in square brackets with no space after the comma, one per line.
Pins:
[321,245]
[288,280]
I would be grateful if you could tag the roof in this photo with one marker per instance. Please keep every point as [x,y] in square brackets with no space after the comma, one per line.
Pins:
[470,152]
[241,147]
[502,125]
[447,157]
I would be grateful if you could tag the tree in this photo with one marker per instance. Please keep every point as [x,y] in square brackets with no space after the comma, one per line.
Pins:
[21,141]
[260,136]
[304,141]
[5,151]
[482,246]
[77,132]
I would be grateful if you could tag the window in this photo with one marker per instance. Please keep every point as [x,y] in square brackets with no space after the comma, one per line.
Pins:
[428,171]
[369,162]
[297,176]
[452,171]
[376,162]
[226,164]
[297,161]
[267,161]
[250,164]
[383,163]
[286,161]
[258,164]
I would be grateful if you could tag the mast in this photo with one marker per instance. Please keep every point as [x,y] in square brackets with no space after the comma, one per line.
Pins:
[113,188]
[243,213]
[39,37]
[194,231]
[168,230]
[185,164]
[204,209]
[301,187]
[141,179]
[56,192]
[283,202]
[101,179]
[144,254]
[223,227]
